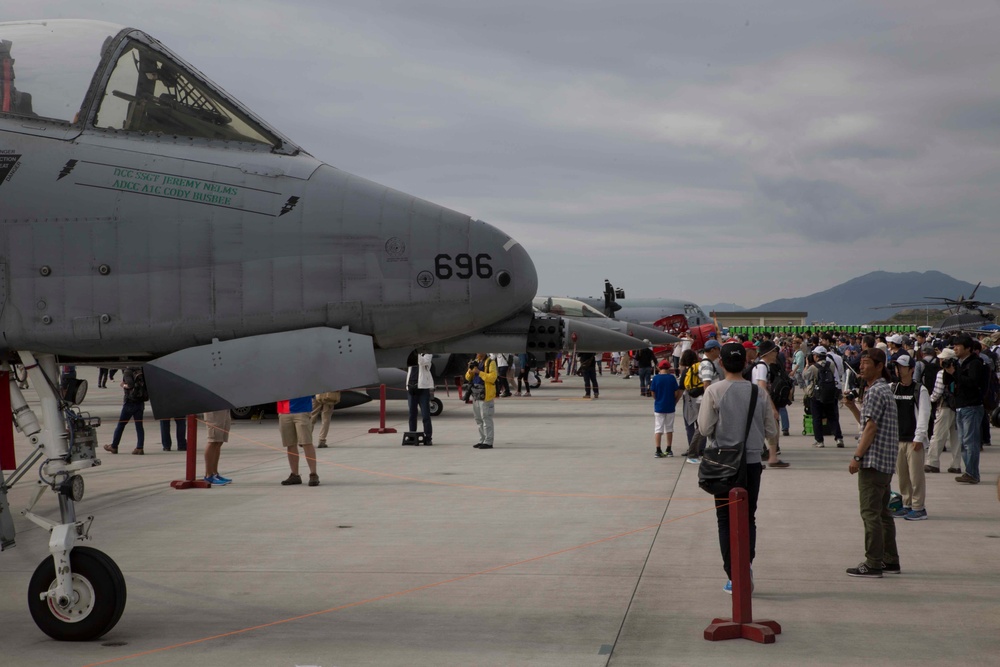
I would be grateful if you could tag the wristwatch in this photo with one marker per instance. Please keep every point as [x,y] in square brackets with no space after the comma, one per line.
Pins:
[858,459]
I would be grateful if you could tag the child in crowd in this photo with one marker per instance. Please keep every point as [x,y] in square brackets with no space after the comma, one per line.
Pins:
[665,391]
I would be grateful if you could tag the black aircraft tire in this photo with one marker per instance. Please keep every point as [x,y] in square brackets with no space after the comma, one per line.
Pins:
[437,407]
[536,382]
[101,589]
[242,413]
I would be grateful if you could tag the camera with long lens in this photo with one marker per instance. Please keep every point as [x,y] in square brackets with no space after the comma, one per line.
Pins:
[473,364]
[852,394]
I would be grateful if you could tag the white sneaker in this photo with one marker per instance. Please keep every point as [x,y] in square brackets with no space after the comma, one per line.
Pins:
[818,444]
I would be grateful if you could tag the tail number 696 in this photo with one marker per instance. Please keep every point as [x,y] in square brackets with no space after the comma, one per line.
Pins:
[462,266]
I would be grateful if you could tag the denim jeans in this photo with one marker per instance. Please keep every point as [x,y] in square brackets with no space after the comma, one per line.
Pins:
[722,517]
[590,378]
[181,433]
[783,414]
[644,375]
[970,436]
[130,410]
[421,398]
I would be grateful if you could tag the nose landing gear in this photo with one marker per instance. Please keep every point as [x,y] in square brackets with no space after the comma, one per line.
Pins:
[96,602]
[77,594]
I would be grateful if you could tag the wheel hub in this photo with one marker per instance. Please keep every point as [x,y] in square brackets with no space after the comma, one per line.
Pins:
[80,606]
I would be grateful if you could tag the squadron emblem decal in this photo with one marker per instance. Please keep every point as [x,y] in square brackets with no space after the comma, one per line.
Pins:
[395,247]
[425,278]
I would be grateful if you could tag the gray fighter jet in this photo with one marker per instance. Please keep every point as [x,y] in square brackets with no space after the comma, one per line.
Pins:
[574,308]
[147,217]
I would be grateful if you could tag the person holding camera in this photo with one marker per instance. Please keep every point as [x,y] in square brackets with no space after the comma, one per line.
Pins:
[945,431]
[482,376]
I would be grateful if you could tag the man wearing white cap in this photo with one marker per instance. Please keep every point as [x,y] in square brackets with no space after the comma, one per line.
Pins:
[913,407]
[895,351]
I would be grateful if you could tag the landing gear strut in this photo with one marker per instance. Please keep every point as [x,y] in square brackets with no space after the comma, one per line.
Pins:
[79,593]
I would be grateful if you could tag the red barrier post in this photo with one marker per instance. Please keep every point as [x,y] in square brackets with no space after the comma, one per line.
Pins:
[742,623]
[381,428]
[556,364]
[191,480]
[7,459]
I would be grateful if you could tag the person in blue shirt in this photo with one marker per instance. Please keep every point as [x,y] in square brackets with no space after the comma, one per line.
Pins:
[666,392]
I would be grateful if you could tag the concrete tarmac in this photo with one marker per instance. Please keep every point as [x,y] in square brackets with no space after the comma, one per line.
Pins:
[567,544]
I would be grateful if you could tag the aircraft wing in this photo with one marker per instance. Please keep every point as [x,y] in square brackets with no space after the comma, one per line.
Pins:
[259,369]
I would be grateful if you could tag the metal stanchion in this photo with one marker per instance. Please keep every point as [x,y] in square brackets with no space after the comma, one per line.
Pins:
[381,428]
[191,480]
[741,625]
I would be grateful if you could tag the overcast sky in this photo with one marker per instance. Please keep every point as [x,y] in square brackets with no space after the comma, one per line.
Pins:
[716,151]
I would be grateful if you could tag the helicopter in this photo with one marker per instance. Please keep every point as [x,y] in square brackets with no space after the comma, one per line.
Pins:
[965,314]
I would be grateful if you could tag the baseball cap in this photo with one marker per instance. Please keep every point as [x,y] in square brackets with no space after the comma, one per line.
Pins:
[819,349]
[749,345]
[947,353]
[895,339]
[712,344]
[664,364]
[904,360]
[734,350]
[711,334]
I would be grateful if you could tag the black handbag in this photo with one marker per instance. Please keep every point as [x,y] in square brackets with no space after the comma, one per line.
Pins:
[724,469]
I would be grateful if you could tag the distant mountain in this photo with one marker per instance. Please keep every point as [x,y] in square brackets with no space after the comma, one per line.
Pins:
[723,308]
[851,302]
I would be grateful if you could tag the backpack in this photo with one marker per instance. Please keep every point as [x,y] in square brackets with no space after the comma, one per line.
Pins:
[529,360]
[826,383]
[138,393]
[931,370]
[748,371]
[782,386]
[692,382]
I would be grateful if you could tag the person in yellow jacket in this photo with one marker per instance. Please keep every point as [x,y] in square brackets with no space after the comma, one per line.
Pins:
[482,374]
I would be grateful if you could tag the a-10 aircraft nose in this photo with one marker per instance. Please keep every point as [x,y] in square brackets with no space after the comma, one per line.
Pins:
[513,282]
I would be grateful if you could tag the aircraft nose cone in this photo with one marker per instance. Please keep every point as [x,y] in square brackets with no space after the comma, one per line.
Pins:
[524,278]
[512,281]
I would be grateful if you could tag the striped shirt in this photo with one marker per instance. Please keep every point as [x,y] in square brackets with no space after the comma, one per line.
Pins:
[880,405]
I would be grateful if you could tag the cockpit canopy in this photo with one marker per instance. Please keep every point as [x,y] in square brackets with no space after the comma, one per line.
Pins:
[564,306]
[102,76]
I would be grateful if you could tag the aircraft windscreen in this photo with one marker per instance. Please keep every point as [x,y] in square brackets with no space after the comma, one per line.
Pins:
[148,92]
[46,67]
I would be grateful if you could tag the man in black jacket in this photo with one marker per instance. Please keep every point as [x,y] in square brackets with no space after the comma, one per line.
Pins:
[646,361]
[970,378]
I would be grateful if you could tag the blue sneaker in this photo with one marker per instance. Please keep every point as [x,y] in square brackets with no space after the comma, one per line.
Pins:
[901,512]
[728,588]
[223,480]
[916,515]
[217,480]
